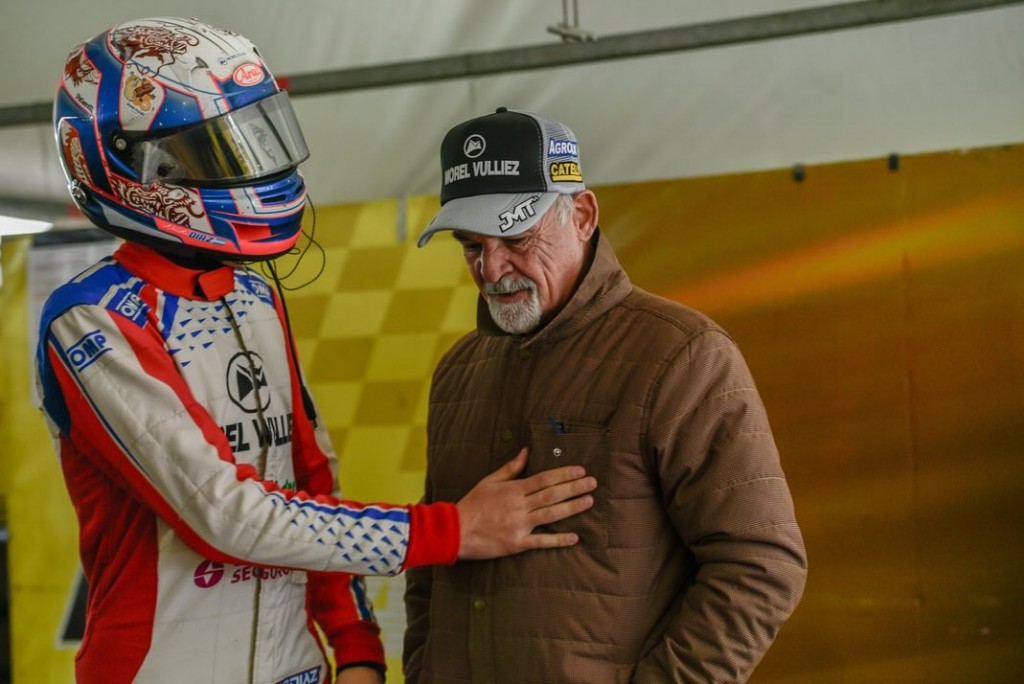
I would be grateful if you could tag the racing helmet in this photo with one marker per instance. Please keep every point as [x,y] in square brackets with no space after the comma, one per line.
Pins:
[175,134]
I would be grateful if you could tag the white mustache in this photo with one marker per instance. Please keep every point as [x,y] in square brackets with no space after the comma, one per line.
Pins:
[509,286]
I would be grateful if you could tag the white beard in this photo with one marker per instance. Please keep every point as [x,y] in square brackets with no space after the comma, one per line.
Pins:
[517,318]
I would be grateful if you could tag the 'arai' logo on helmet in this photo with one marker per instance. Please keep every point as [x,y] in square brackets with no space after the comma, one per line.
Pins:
[248,74]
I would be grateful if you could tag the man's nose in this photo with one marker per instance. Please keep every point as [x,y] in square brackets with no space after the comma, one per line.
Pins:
[493,262]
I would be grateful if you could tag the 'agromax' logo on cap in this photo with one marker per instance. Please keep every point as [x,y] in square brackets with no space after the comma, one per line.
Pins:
[474,146]
[562,148]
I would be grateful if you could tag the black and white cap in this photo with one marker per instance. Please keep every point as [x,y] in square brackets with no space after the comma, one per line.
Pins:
[502,172]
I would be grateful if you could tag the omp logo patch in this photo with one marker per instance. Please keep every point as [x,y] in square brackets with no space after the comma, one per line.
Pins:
[310,676]
[245,379]
[85,351]
[131,307]
[259,288]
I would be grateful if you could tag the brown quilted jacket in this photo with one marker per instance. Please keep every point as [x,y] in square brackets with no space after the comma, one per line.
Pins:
[690,560]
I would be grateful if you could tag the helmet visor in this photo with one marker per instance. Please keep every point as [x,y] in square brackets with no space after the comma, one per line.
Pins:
[254,141]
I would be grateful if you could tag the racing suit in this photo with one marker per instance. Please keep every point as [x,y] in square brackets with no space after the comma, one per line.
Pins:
[205,489]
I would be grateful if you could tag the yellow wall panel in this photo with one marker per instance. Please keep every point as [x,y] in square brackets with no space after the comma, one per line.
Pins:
[43,545]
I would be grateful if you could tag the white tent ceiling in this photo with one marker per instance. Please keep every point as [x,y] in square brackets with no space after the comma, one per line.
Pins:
[941,83]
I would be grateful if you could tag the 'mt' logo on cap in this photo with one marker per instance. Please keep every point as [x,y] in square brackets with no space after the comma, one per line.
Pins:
[520,212]
[474,146]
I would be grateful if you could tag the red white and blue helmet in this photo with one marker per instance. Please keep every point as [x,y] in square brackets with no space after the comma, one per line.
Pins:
[175,134]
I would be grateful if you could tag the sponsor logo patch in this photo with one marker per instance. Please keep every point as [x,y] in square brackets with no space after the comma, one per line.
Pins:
[208,574]
[260,289]
[562,148]
[139,92]
[270,431]
[245,380]
[310,676]
[520,212]
[85,351]
[131,307]
[204,237]
[482,167]
[566,171]
[456,173]
[474,146]
[248,573]
[248,75]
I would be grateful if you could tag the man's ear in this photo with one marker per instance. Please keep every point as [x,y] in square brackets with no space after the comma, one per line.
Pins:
[585,203]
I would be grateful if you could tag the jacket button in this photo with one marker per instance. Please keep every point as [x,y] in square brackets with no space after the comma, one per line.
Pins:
[479,604]
[506,435]
[524,354]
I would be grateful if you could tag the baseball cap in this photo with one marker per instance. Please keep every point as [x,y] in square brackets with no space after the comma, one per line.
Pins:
[501,172]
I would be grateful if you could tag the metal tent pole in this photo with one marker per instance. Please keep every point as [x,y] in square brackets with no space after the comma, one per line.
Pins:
[640,44]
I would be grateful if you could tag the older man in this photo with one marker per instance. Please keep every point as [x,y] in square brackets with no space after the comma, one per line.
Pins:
[691,559]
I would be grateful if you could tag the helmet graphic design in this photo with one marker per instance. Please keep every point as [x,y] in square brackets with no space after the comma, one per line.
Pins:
[174,134]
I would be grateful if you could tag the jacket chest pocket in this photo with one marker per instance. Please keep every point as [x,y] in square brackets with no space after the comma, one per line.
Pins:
[554,444]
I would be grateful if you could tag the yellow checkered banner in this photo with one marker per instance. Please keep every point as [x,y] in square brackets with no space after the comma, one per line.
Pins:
[47,590]
[42,551]
[879,303]
[369,330]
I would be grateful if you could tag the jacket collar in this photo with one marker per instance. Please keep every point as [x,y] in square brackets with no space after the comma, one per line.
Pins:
[604,285]
[164,274]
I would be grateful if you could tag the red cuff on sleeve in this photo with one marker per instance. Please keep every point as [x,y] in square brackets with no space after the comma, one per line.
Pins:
[358,642]
[433,535]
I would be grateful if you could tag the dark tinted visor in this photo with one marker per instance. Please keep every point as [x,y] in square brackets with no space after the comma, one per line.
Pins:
[254,141]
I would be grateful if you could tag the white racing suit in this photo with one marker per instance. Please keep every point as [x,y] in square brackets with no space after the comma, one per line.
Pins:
[211,532]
